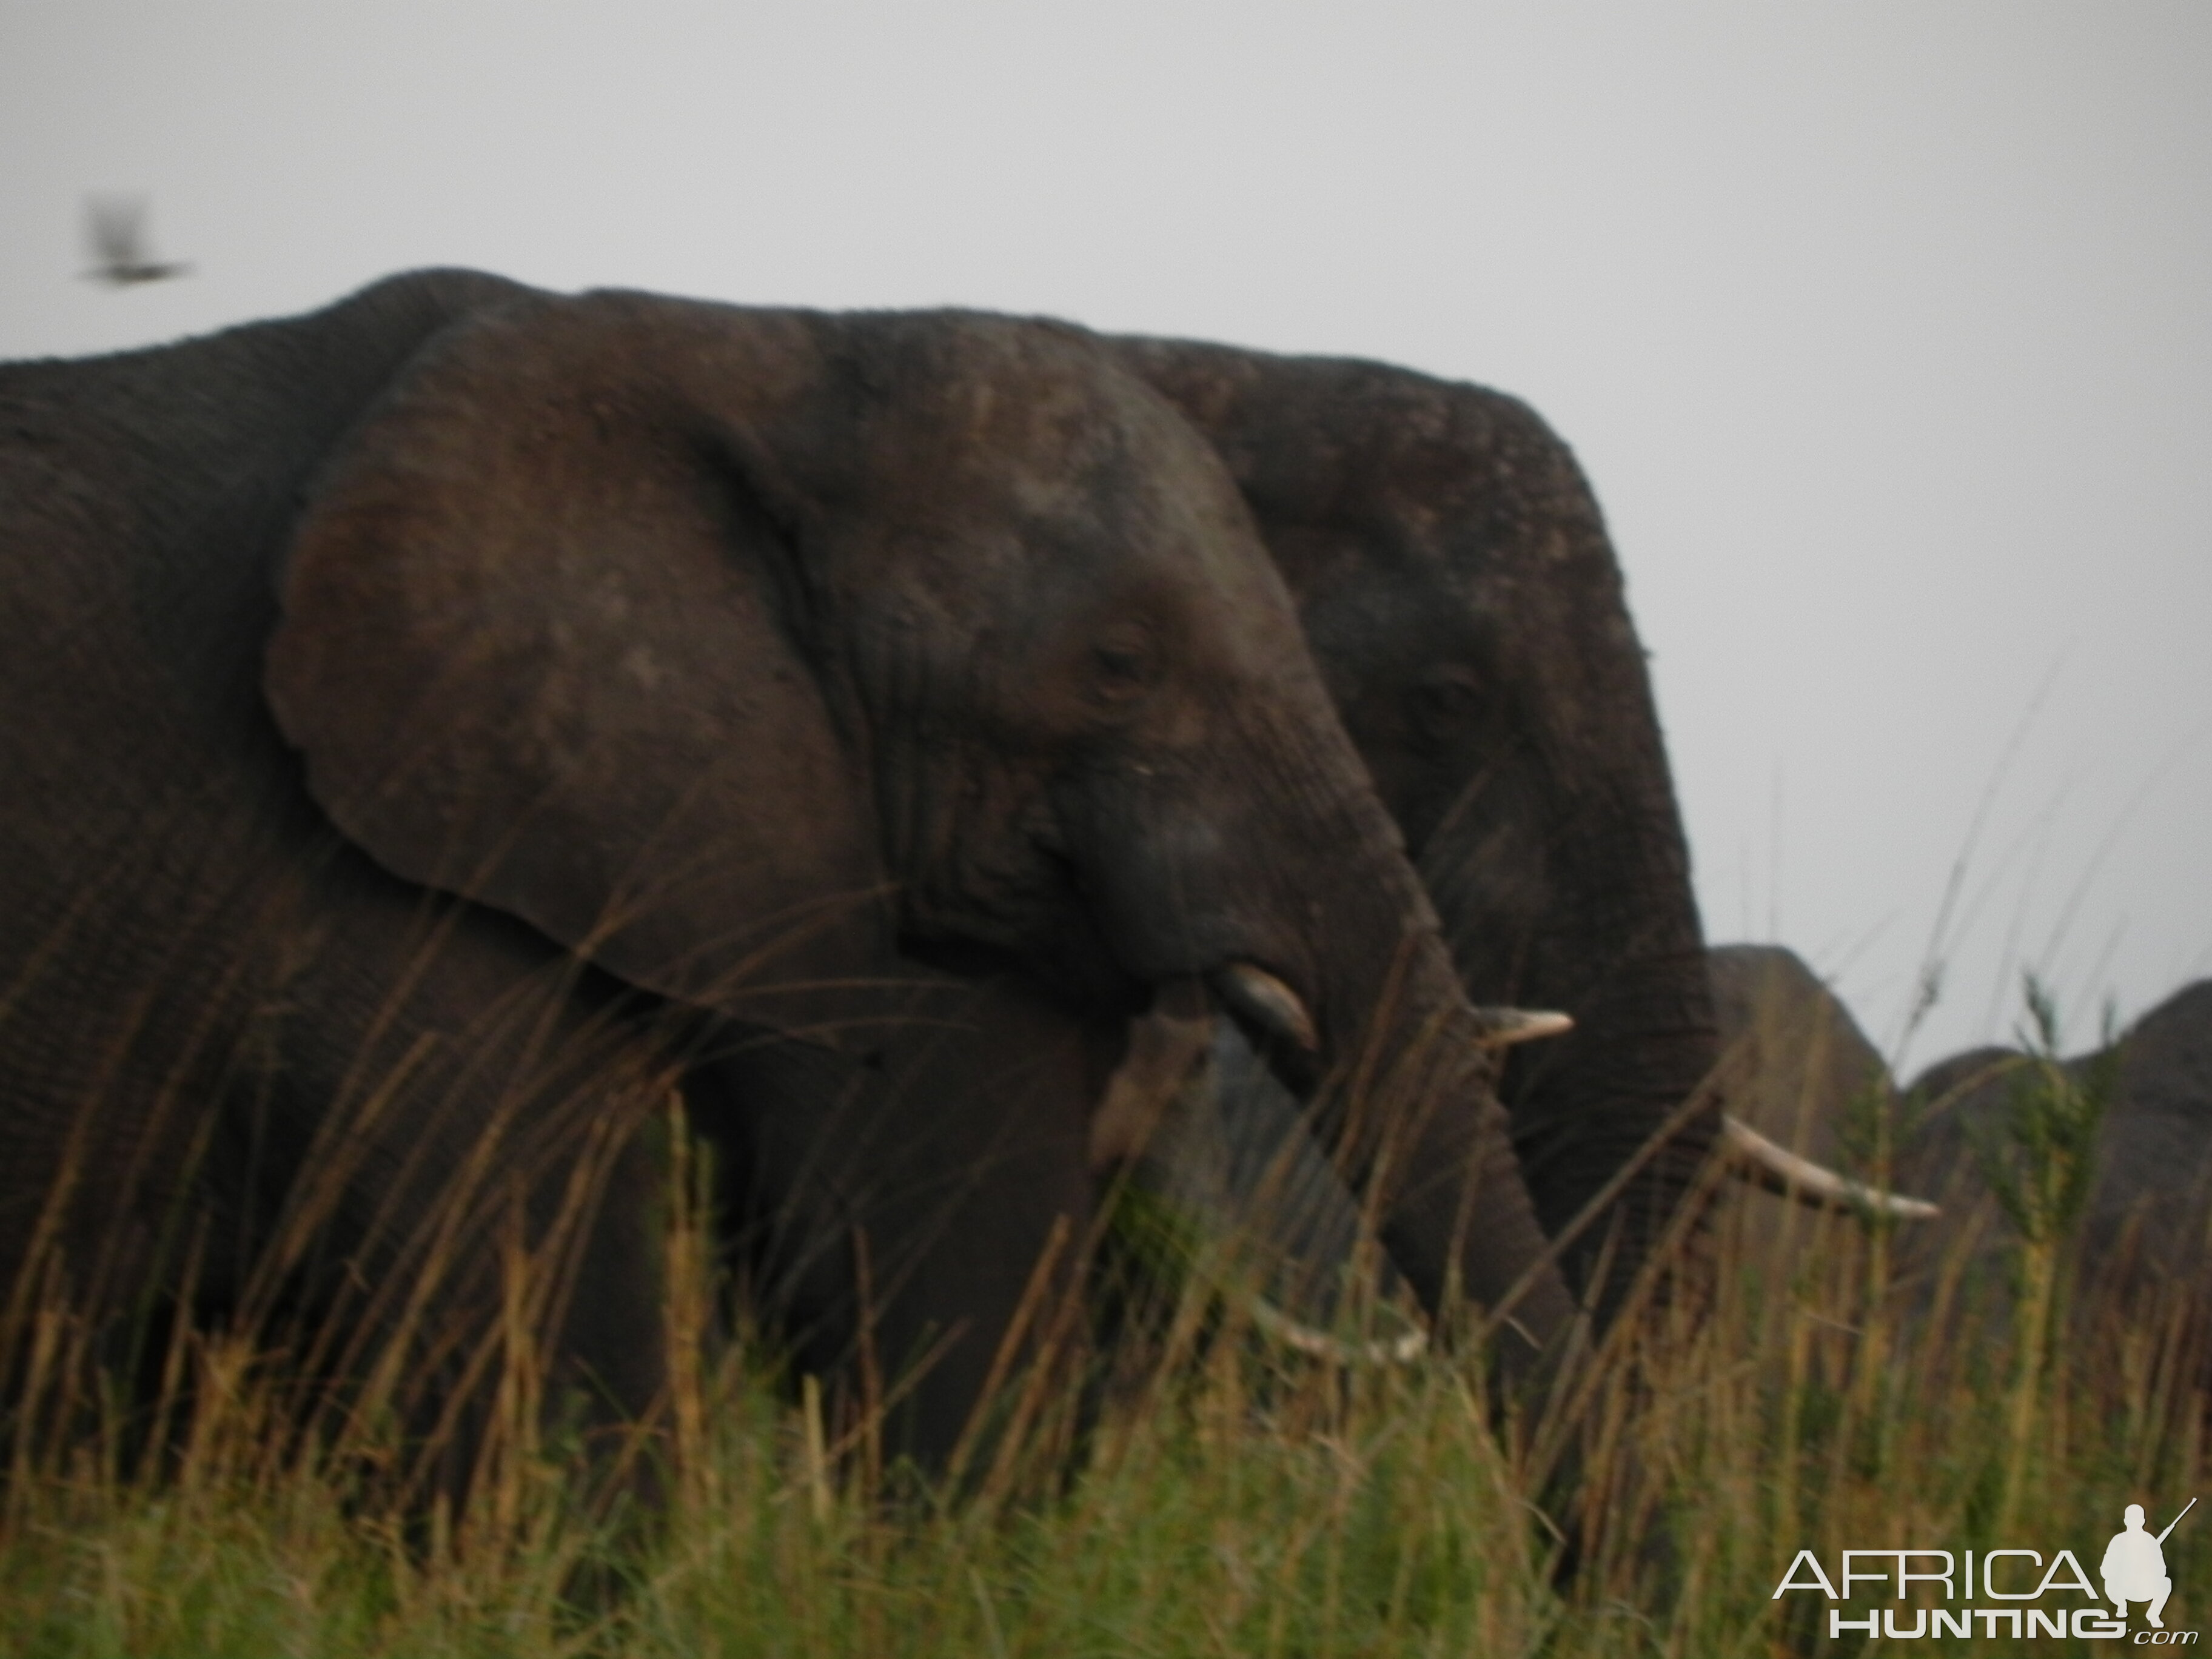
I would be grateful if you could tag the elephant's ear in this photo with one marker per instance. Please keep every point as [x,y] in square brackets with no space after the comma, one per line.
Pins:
[544,644]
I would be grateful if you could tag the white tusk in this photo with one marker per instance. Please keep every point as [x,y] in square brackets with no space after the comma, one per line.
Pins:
[1273,1323]
[1759,1158]
[1267,1001]
[1504,1027]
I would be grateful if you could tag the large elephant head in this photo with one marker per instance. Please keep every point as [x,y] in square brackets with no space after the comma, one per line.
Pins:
[1455,582]
[736,650]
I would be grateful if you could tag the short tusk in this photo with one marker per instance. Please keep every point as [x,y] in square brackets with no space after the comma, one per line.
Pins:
[1759,1160]
[1267,1001]
[1504,1027]
[1278,1327]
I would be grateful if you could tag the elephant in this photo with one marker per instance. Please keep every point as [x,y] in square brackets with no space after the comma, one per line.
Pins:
[2145,1230]
[1805,1085]
[446,729]
[1804,1054]
[1807,1092]
[1814,1084]
[1803,1075]
[1456,584]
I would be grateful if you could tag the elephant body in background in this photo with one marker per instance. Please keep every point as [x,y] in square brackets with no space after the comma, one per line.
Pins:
[1455,583]
[1799,1063]
[1801,1071]
[2146,1230]
[444,727]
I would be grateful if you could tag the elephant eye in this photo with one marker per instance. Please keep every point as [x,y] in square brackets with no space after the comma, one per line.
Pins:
[1123,664]
[1449,694]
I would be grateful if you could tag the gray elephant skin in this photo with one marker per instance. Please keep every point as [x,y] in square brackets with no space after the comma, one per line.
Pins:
[2145,1234]
[442,726]
[1800,1070]
[1797,1068]
[1456,583]
[1798,1060]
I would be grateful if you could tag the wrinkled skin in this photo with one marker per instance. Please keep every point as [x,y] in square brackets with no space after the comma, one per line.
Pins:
[1455,581]
[454,722]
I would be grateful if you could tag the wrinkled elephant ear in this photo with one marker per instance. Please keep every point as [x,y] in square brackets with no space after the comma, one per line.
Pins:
[546,644]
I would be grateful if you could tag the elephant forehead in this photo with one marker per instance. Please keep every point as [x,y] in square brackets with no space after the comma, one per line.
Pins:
[1074,448]
[1144,527]
[1038,589]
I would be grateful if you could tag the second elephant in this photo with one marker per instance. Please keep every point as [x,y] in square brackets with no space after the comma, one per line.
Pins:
[1456,584]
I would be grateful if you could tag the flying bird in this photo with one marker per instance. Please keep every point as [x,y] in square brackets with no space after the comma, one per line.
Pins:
[115,225]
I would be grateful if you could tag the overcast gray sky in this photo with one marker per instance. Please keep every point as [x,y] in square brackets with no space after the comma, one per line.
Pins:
[1884,329]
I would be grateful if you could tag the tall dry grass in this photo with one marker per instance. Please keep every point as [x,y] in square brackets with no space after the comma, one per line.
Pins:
[1805,1384]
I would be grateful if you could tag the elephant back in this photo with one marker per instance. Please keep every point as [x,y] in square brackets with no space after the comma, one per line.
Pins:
[2153,1193]
[2146,1224]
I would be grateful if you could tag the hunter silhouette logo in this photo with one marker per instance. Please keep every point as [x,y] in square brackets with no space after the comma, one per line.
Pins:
[2133,1570]
[2134,1565]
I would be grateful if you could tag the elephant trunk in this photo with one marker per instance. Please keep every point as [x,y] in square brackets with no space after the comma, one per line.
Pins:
[1398,1071]
[1430,1143]
[1642,1045]
[1625,956]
